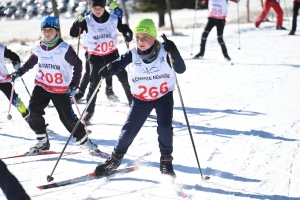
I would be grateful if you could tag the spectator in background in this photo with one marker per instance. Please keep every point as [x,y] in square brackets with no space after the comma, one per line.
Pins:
[266,8]
[295,14]
[10,185]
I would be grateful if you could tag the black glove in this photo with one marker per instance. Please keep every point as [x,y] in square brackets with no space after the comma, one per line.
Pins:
[80,22]
[72,89]
[15,75]
[104,71]
[169,46]
[127,33]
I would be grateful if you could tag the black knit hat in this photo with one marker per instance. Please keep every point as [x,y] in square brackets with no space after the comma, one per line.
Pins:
[100,3]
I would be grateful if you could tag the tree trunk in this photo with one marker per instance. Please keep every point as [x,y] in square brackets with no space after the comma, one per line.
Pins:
[161,18]
[125,11]
[55,11]
[169,11]
[248,11]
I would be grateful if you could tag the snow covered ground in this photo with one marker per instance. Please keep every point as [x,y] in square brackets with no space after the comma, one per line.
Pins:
[244,120]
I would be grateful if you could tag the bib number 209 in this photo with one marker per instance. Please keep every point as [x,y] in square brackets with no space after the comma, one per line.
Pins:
[153,92]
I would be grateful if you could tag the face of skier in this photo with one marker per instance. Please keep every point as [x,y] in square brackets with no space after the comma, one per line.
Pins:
[49,33]
[144,41]
[98,11]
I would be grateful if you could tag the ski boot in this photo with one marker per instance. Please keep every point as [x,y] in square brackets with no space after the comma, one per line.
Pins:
[91,147]
[292,33]
[166,166]
[113,162]
[78,96]
[280,28]
[87,117]
[199,55]
[41,145]
[110,94]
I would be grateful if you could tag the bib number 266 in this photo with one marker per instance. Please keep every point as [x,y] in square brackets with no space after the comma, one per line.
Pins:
[153,92]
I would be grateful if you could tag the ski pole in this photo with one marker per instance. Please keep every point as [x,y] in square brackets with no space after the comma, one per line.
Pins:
[10,101]
[238,13]
[287,14]
[78,41]
[127,43]
[83,122]
[49,177]
[196,2]
[184,111]
[26,87]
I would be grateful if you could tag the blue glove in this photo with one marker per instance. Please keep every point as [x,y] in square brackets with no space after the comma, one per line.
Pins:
[72,89]
[117,10]
[15,75]
[16,64]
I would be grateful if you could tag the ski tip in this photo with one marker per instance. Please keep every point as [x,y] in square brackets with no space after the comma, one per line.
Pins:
[133,168]
[185,196]
[92,174]
[40,187]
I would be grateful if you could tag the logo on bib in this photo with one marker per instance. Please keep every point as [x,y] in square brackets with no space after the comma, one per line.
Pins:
[146,70]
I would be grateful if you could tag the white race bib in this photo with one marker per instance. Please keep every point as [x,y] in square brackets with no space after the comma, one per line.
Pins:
[217,9]
[101,39]
[54,72]
[151,81]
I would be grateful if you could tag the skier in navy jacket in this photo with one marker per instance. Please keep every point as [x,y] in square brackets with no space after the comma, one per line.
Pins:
[152,82]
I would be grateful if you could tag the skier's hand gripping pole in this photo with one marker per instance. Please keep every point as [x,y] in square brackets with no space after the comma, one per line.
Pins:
[184,111]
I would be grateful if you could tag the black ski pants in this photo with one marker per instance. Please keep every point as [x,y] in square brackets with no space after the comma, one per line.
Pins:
[86,76]
[220,24]
[295,14]
[40,99]
[95,66]
[137,116]
[10,185]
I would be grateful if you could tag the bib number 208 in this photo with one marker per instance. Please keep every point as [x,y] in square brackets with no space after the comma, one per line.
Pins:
[153,92]
[57,78]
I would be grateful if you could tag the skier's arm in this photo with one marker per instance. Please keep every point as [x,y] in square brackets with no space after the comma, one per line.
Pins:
[29,64]
[121,63]
[74,60]
[11,55]
[178,64]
